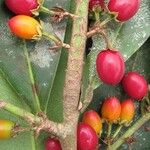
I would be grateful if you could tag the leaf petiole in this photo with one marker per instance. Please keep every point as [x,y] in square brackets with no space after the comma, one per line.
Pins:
[36,101]
[130,131]
[19,112]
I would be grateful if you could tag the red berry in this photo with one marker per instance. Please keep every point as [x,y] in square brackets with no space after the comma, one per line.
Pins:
[110,66]
[96,3]
[86,137]
[135,85]
[52,144]
[111,109]
[22,7]
[125,9]
[127,111]
[93,119]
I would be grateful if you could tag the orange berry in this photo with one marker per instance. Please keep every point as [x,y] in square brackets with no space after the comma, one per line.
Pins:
[127,111]
[6,129]
[93,119]
[111,109]
[25,27]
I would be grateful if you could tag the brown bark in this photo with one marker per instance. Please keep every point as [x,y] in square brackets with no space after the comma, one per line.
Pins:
[74,71]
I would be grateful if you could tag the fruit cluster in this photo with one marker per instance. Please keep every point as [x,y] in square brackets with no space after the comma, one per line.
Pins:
[23,25]
[112,111]
[110,68]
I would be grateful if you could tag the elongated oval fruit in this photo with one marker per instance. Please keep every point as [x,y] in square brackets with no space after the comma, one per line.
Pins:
[125,9]
[110,66]
[86,137]
[96,3]
[111,109]
[52,144]
[92,118]
[22,7]
[6,128]
[135,85]
[127,111]
[24,27]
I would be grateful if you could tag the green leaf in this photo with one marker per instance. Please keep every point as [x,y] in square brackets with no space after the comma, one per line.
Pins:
[23,141]
[46,68]
[9,94]
[56,94]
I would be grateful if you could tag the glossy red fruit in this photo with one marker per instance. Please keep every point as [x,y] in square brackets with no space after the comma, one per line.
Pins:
[135,85]
[111,109]
[125,9]
[22,7]
[110,66]
[96,3]
[24,26]
[92,118]
[127,111]
[52,144]
[86,137]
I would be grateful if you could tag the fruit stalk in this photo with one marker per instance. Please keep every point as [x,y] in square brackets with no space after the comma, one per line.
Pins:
[74,70]
[98,28]
[56,40]
[109,134]
[130,131]
[109,130]
[117,131]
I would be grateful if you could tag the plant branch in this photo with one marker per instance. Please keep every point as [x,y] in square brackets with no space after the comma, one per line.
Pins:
[98,27]
[75,63]
[56,40]
[72,85]
[38,123]
[36,101]
[130,131]
[100,30]
[56,11]
[94,31]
